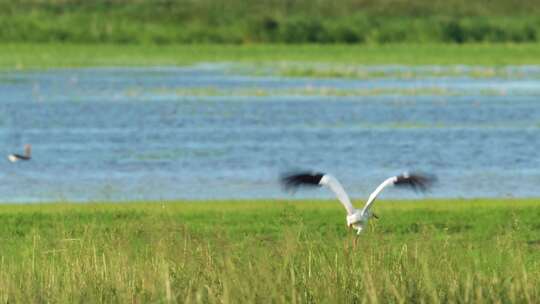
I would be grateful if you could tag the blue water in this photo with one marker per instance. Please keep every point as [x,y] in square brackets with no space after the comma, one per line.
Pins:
[203,132]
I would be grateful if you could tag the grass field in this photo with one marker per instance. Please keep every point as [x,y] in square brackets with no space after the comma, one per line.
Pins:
[464,251]
[35,56]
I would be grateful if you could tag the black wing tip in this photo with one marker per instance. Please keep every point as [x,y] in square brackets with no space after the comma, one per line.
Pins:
[293,180]
[418,181]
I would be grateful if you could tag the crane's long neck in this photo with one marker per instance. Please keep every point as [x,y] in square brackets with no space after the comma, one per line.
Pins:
[28,151]
[334,185]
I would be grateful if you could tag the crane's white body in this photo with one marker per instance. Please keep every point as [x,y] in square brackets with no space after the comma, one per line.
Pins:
[26,156]
[356,218]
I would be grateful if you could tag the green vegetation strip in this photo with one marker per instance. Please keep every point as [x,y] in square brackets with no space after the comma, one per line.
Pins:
[36,56]
[431,251]
[276,21]
[325,91]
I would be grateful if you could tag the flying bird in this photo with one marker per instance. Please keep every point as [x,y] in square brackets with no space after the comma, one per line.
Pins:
[27,154]
[356,218]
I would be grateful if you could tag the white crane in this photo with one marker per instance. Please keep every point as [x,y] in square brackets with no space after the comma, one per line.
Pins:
[356,218]
[26,156]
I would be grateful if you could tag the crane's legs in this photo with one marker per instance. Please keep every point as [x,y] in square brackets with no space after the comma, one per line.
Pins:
[352,235]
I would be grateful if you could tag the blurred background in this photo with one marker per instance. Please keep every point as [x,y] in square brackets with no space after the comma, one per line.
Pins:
[151,100]
[270,21]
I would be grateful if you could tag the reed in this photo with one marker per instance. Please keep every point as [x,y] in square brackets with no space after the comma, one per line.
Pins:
[270,251]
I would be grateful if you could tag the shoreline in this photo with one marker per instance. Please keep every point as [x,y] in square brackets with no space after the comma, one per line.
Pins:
[260,203]
[54,55]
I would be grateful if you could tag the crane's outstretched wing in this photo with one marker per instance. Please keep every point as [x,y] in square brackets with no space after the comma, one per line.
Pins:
[416,181]
[295,180]
[291,181]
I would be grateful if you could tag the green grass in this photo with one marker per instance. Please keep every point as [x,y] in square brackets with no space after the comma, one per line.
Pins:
[323,91]
[272,21]
[360,72]
[35,56]
[467,251]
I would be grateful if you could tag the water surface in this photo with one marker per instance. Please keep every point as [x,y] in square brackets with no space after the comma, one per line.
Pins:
[216,132]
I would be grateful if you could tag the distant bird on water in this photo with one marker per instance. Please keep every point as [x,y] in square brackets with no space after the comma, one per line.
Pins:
[27,155]
[356,218]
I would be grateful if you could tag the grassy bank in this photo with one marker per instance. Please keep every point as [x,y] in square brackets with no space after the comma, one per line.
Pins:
[275,21]
[30,56]
[270,251]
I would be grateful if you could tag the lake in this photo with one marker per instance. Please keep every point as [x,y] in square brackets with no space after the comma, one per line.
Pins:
[226,131]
